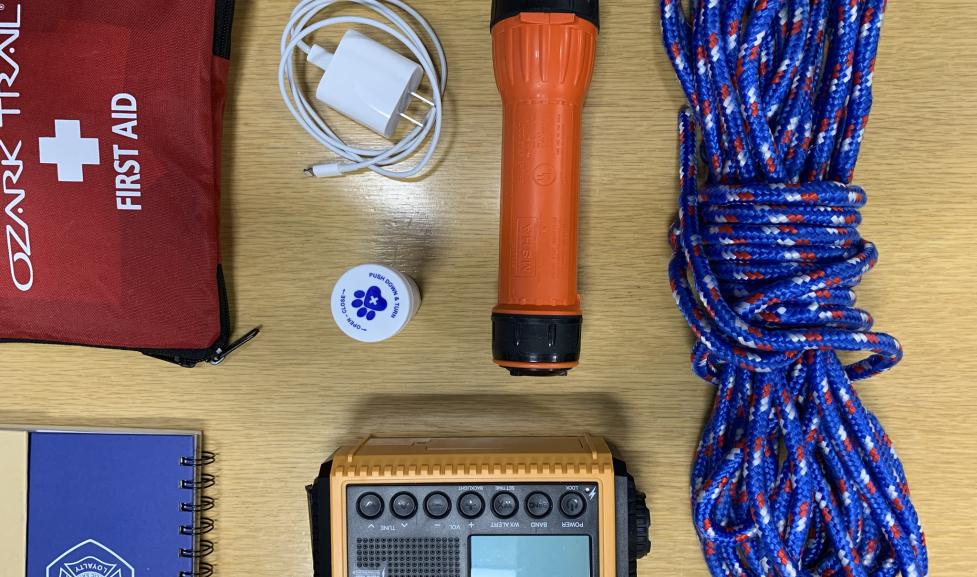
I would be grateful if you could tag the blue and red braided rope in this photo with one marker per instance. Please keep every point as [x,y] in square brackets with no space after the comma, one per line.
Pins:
[793,476]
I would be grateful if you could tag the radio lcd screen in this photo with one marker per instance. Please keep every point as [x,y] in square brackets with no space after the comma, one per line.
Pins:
[530,556]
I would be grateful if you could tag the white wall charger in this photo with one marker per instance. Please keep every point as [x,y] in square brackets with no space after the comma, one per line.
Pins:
[367,82]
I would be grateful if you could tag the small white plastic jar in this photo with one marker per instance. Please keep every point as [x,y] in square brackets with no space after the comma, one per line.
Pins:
[372,302]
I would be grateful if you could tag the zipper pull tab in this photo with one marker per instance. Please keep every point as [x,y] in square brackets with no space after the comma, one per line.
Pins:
[221,354]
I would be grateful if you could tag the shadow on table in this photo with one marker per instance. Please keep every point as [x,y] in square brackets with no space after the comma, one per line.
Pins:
[488,415]
[30,419]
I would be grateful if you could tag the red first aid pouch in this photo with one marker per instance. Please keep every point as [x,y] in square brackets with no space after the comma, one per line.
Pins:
[110,133]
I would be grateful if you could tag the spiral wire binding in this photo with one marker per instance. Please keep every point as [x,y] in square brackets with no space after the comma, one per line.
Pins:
[200,504]
[793,476]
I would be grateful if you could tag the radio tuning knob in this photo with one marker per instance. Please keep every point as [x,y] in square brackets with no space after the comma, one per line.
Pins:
[370,505]
[639,527]
[404,505]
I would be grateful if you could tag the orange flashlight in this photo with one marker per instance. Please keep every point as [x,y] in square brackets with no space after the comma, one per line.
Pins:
[544,52]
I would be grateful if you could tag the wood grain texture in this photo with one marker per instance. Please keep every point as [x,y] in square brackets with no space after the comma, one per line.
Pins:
[276,409]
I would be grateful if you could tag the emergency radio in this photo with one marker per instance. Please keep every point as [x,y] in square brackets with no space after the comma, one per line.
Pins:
[477,507]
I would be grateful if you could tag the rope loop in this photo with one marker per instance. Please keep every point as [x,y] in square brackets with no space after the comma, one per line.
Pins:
[788,473]
[772,267]
[793,477]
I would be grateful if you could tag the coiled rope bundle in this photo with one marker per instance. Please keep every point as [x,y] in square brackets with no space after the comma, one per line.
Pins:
[793,476]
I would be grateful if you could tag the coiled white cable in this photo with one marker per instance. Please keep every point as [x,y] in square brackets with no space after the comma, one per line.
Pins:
[300,27]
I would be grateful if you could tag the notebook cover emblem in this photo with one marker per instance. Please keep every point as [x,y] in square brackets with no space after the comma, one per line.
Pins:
[90,559]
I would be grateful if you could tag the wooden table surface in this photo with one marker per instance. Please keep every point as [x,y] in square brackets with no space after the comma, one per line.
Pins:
[277,408]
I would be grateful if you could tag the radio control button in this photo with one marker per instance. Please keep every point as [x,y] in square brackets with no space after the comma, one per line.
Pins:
[471,505]
[437,505]
[572,504]
[505,505]
[404,505]
[539,505]
[370,505]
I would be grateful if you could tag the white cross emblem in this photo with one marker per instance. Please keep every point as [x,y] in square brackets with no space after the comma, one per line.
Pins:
[373,300]
[69,151]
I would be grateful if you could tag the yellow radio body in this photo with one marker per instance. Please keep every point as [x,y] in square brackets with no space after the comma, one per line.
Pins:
[477,507]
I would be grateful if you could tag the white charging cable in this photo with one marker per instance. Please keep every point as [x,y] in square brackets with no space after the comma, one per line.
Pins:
[360,70]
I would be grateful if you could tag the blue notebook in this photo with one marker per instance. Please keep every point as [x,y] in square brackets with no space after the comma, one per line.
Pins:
[105,504]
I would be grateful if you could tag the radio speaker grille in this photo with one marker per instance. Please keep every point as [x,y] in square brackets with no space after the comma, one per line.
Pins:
[411,557]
